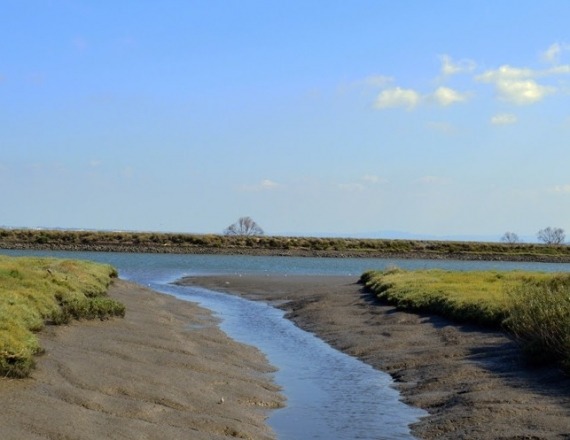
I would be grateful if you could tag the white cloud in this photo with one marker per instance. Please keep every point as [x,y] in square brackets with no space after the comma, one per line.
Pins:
[516,85]
[561,189]
[397,97]
[365,182]
[264,185]
[449,67]
[519,85]
[523,92]
[504,119]
[445,96]
[410,99]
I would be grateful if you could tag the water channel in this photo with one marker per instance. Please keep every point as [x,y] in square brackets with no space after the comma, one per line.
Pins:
[329,395]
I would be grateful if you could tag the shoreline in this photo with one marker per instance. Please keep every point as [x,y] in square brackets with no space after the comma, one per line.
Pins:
[304,253]
[471,380]
[165,370]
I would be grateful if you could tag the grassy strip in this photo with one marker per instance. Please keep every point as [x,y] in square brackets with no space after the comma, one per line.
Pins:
[36,291]
[533,306]
[165,242]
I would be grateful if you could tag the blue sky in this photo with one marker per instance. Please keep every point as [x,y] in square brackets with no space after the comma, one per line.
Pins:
[437,119]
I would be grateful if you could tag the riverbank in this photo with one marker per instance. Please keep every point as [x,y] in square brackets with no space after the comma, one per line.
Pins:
[471,380]
[165,370]
[178,243]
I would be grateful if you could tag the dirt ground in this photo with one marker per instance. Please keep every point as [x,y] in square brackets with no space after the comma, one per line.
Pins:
[471,380]
[165,371]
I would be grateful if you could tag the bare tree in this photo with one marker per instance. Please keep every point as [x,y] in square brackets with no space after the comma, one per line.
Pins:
[510,238]
[551,235]
[244,226]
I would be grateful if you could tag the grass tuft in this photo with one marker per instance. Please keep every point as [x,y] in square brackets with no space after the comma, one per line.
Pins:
[35,291]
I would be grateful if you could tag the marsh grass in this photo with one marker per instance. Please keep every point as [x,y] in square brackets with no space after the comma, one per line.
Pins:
[539,317]
[36,291]
[533,306]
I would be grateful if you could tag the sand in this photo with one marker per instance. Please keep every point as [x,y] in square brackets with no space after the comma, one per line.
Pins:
[472,381]
[165,371]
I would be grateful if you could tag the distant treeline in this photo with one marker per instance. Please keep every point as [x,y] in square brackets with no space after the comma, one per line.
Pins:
[155,242]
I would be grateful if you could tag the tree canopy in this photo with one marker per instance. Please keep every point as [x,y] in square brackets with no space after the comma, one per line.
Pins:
[551,235]
[244,226]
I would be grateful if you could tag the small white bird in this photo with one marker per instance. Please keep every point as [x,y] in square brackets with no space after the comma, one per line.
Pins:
[221,401]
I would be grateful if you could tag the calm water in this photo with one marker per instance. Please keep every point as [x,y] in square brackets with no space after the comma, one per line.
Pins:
[329,395]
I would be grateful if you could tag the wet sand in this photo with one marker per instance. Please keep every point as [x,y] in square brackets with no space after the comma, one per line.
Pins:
[165,371]
[471,380]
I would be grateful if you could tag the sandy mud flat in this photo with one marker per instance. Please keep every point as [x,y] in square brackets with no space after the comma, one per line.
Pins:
[165,371]
[471,380]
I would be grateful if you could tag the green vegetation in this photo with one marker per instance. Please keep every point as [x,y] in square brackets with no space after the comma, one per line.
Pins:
[36,291]
[533,306]
[268,245]
[539,317]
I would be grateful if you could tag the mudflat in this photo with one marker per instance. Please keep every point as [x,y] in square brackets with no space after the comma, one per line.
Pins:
[472,381]
[165,371]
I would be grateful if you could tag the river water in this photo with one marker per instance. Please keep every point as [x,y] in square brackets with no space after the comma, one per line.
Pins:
[329,395]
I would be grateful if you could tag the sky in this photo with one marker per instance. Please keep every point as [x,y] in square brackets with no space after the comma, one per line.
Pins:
[355,118]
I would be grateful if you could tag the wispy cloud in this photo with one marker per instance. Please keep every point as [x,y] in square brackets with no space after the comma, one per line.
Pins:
[369,178]
[376,81]
[554,52]
[560,189]
[504,119]
[433,180]
[264,185]
[450,67]
[365,182]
